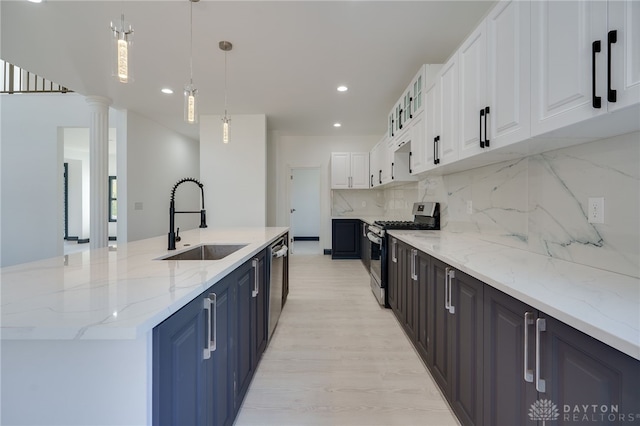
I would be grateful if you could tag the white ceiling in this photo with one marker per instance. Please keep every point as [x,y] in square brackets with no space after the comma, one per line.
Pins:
[288,57]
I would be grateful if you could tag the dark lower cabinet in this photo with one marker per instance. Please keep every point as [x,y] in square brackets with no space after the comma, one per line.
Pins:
[345,239]
[480,346]
[245,340]
[507,395]
[466,337]
[220,376]
[205,355]
[439,325]
[590,382]
[180,369]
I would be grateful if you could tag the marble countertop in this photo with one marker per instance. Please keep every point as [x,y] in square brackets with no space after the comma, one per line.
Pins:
[116,293]
[602,304]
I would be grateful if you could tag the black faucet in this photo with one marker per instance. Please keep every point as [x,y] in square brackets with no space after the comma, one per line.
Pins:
[172,212]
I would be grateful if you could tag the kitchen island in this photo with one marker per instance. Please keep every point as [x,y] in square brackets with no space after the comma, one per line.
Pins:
[77,329]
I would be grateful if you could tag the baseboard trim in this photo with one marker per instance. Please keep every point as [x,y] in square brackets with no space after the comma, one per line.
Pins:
[306,238]
[327,251]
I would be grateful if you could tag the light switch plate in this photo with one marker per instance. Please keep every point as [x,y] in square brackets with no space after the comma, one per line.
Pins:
[595,213]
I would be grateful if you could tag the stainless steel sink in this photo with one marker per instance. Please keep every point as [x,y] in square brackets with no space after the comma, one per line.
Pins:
[206,252]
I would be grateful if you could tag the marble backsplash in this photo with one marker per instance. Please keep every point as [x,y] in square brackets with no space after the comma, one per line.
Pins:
[539,203]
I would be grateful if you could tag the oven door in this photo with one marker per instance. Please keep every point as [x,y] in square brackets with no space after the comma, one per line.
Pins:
[377,286]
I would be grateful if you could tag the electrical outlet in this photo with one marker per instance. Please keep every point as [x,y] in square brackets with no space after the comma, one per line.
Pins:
[596,210]
[469,207]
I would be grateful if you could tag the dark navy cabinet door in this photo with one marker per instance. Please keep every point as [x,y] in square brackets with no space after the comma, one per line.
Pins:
[179,367]
[244,319]
[220,397]
[261,306]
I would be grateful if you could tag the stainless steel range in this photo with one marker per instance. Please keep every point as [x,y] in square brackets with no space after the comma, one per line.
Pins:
[426,217]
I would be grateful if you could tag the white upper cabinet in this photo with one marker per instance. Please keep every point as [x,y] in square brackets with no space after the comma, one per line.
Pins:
[350,170]
[624,27]
[473,91]
[447,119]
[585,62]
[566,62]
[442,117]
[494,64]
[418,154]
[509,68]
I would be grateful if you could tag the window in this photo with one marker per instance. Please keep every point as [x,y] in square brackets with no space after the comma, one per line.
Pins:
[113,199]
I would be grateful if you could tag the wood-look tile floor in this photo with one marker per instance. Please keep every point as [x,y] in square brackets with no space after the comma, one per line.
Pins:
[338,358]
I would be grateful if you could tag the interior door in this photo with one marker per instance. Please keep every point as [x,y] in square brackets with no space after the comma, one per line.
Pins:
[304,208]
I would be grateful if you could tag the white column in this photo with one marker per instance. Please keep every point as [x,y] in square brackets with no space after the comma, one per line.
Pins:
[99,170]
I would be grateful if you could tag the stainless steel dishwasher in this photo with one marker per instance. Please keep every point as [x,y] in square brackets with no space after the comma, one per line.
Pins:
[278,258]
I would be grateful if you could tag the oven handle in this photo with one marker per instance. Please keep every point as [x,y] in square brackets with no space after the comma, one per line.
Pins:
[374,238]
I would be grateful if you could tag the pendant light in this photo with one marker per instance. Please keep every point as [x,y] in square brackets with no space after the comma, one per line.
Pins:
[226,47]
[121,50]
[190,91]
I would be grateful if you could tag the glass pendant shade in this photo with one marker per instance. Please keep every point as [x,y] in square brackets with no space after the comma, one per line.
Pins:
[190,104]
[121,49]
[225,129]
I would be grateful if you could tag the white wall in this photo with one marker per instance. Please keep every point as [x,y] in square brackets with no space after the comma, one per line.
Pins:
[310,151]
[31,173]
[234,174]
[156,158]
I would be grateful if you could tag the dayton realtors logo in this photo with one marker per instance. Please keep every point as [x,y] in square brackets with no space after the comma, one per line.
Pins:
[545,410]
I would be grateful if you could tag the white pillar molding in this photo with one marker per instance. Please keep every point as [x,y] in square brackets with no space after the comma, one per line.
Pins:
[99,170]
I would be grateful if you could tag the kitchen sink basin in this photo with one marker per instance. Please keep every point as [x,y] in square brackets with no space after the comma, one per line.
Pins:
[206,252]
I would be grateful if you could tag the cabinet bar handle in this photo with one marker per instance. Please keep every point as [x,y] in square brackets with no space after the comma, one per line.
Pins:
[414,255]
[612,37]
[410,109]
[595,48]
[380,176]
[446,288]
[371,182]
[480,134]
[214,303]
[410,154]
[486,115]
[392,123]
[541,325]
[400,119]
[394,245]
[392,176]
[528,321]
[256,289]
[206,354]
[435,155]
[437,142]
[451,274]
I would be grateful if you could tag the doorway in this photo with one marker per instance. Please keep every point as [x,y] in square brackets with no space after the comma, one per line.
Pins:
[304,207]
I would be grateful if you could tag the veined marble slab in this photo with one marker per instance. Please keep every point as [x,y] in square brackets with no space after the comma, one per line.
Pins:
[116,293]
[602,304]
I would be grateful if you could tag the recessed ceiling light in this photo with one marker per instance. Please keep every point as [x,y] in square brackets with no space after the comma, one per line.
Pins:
[35,1]
[342,88]
[337,125]
[167,91]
